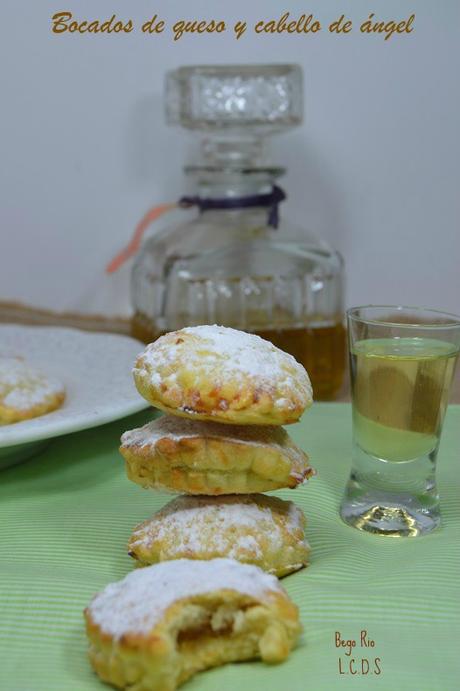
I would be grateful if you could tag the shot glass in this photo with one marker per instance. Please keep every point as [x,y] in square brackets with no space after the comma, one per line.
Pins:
[402,362]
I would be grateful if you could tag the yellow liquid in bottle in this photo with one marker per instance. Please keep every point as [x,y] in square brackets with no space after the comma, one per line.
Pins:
[320,349]
[400,393]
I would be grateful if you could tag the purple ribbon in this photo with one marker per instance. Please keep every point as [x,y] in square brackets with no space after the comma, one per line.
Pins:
[270,200]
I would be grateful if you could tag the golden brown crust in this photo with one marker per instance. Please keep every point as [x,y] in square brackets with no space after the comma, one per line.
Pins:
[253,529]
[208,458]
[9,415]
[193,633]
[221,374]
[25,392]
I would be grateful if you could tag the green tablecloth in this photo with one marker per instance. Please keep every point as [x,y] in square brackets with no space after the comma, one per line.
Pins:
[65,517]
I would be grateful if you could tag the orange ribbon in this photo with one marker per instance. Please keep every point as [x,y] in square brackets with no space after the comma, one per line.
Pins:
[132,248]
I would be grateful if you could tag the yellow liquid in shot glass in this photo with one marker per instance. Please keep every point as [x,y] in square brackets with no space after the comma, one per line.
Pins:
[400,393]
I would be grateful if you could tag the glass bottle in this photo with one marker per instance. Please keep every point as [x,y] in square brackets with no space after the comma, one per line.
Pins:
[234,264]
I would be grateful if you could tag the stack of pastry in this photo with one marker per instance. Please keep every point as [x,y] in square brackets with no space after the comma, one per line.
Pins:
[225,394]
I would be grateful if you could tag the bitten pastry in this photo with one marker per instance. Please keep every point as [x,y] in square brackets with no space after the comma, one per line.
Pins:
[25,392]
[210,458]
[255,529]
[221,374]
[160,625]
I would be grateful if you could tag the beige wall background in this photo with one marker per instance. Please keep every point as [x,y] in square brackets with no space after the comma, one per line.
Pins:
[85,150]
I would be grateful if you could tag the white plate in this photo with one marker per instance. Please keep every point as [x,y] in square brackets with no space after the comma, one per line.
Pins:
[95,369]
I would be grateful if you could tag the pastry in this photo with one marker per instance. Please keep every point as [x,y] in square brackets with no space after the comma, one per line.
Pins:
[210,458]
[253,528]
[160,625]
[26,392]
[225,375]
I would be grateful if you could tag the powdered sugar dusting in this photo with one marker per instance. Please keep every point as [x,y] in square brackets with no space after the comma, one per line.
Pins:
[22,386]
[226,525]
[177,428]
[233,354]
[245,352]
[137,603]
[296,519]
[245,542]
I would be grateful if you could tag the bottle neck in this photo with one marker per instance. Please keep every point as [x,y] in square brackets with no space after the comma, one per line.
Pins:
[251,194]
[214,182]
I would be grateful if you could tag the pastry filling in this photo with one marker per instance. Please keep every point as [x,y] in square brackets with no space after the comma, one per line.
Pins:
[214,633]
[199,622]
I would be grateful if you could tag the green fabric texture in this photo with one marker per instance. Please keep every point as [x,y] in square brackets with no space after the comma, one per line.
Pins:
[66,515]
